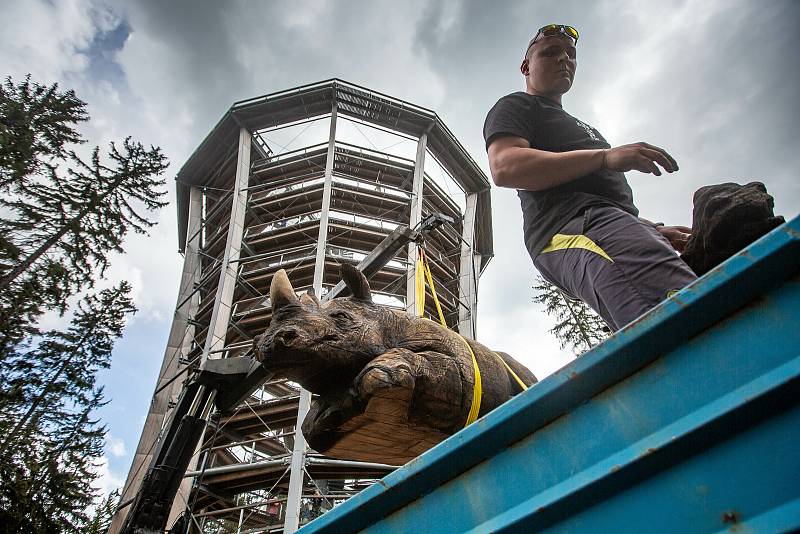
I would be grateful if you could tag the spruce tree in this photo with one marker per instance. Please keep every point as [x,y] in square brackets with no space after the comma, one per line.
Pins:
[60,216]
[50,441]
[37,123]
[577,325]
[103,515]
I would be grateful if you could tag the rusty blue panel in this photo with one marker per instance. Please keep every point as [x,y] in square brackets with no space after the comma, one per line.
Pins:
[686,420]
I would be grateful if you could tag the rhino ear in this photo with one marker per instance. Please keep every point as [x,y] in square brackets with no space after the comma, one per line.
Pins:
[356,282]
[281,292]
[309,297]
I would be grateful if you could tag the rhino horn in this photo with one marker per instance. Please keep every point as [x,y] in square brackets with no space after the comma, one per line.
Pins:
[356,282]
[281,292]
[310,297]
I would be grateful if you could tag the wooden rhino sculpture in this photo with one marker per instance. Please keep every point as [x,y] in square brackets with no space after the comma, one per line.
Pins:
[727,218]
[389,385]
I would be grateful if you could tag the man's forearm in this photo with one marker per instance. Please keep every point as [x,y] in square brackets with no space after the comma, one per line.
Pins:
[515,164]
[535,170]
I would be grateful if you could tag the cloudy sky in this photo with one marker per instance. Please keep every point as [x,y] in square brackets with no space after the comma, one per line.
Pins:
[715,82]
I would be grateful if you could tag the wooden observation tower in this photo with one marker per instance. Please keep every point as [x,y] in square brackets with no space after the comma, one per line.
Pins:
[251,202]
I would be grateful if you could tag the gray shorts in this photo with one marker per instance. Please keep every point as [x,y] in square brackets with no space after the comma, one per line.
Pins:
[618,265]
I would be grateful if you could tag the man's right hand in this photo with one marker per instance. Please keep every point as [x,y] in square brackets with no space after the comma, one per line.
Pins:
[640,157]
[677,236]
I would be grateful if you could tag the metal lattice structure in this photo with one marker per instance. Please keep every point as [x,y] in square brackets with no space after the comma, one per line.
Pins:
[247,209]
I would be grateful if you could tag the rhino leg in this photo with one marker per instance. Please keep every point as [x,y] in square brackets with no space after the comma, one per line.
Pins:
[419,389]
[326,416]
[388,375]
[385,385]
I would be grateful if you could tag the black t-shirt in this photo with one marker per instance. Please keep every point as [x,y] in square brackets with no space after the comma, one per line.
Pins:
[547,126]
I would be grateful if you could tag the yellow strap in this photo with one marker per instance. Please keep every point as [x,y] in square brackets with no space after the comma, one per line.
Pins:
[477,390]
[433,292]
[565,241]
[420,285]
[510,370]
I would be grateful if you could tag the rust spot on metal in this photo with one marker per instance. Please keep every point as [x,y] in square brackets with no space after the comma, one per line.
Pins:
[572,375]
[648,451]
[679,301]
[731,517]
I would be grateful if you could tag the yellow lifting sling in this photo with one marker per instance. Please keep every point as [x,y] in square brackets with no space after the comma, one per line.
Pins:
[423,271]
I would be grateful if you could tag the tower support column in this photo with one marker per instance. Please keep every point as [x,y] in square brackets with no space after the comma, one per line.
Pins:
[296,474]
[467,274]
[179,344]
[417,189]
[221,313]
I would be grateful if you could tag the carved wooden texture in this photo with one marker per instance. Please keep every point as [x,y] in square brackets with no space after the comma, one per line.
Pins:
[727,218]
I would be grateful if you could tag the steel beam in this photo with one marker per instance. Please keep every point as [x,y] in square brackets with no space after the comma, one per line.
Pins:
[221,314]
[417,189]
[178,344]
[322,238]
[378,258]
[296,469]
[467,279]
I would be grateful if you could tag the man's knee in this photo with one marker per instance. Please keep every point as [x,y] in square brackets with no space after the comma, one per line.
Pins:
[635,271]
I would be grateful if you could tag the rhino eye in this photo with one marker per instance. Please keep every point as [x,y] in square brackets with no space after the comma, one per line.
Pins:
[340,315]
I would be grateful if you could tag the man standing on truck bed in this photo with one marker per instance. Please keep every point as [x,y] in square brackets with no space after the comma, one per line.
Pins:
[581,227]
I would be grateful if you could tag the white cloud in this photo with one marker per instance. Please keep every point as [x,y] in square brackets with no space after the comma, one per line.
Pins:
[115,446]
[45,39]
[107,481]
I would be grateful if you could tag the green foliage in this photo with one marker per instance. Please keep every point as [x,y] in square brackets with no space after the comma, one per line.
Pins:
[103,515]
[50,443]
[60,218]
[36,124]
[577,325]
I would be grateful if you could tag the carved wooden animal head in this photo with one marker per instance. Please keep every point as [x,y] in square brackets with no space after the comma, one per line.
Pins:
[322,346]
[727,217]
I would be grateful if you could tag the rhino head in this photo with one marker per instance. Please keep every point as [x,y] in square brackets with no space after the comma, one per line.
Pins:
[321,346]
[727,217]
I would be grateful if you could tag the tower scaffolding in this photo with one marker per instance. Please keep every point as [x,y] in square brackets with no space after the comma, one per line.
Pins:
[246,210]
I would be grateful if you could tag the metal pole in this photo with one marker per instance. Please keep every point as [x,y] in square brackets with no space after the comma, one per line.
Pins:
[349,463]
[322,237]
[417,189]
[235,468]
[292,515]
[221,313]
[292,518]
[467,281]
[220,316]
[241,520]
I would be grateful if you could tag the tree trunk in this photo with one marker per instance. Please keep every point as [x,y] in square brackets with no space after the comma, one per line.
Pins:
[23,266]
[25,418]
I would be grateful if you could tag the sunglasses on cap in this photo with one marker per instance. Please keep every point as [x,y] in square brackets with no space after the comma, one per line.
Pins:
[554,29]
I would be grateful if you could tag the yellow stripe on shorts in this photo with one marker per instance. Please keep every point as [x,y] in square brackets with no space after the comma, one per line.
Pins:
[565,241]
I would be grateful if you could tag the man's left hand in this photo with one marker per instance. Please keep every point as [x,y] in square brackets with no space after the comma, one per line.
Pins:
[676,235]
